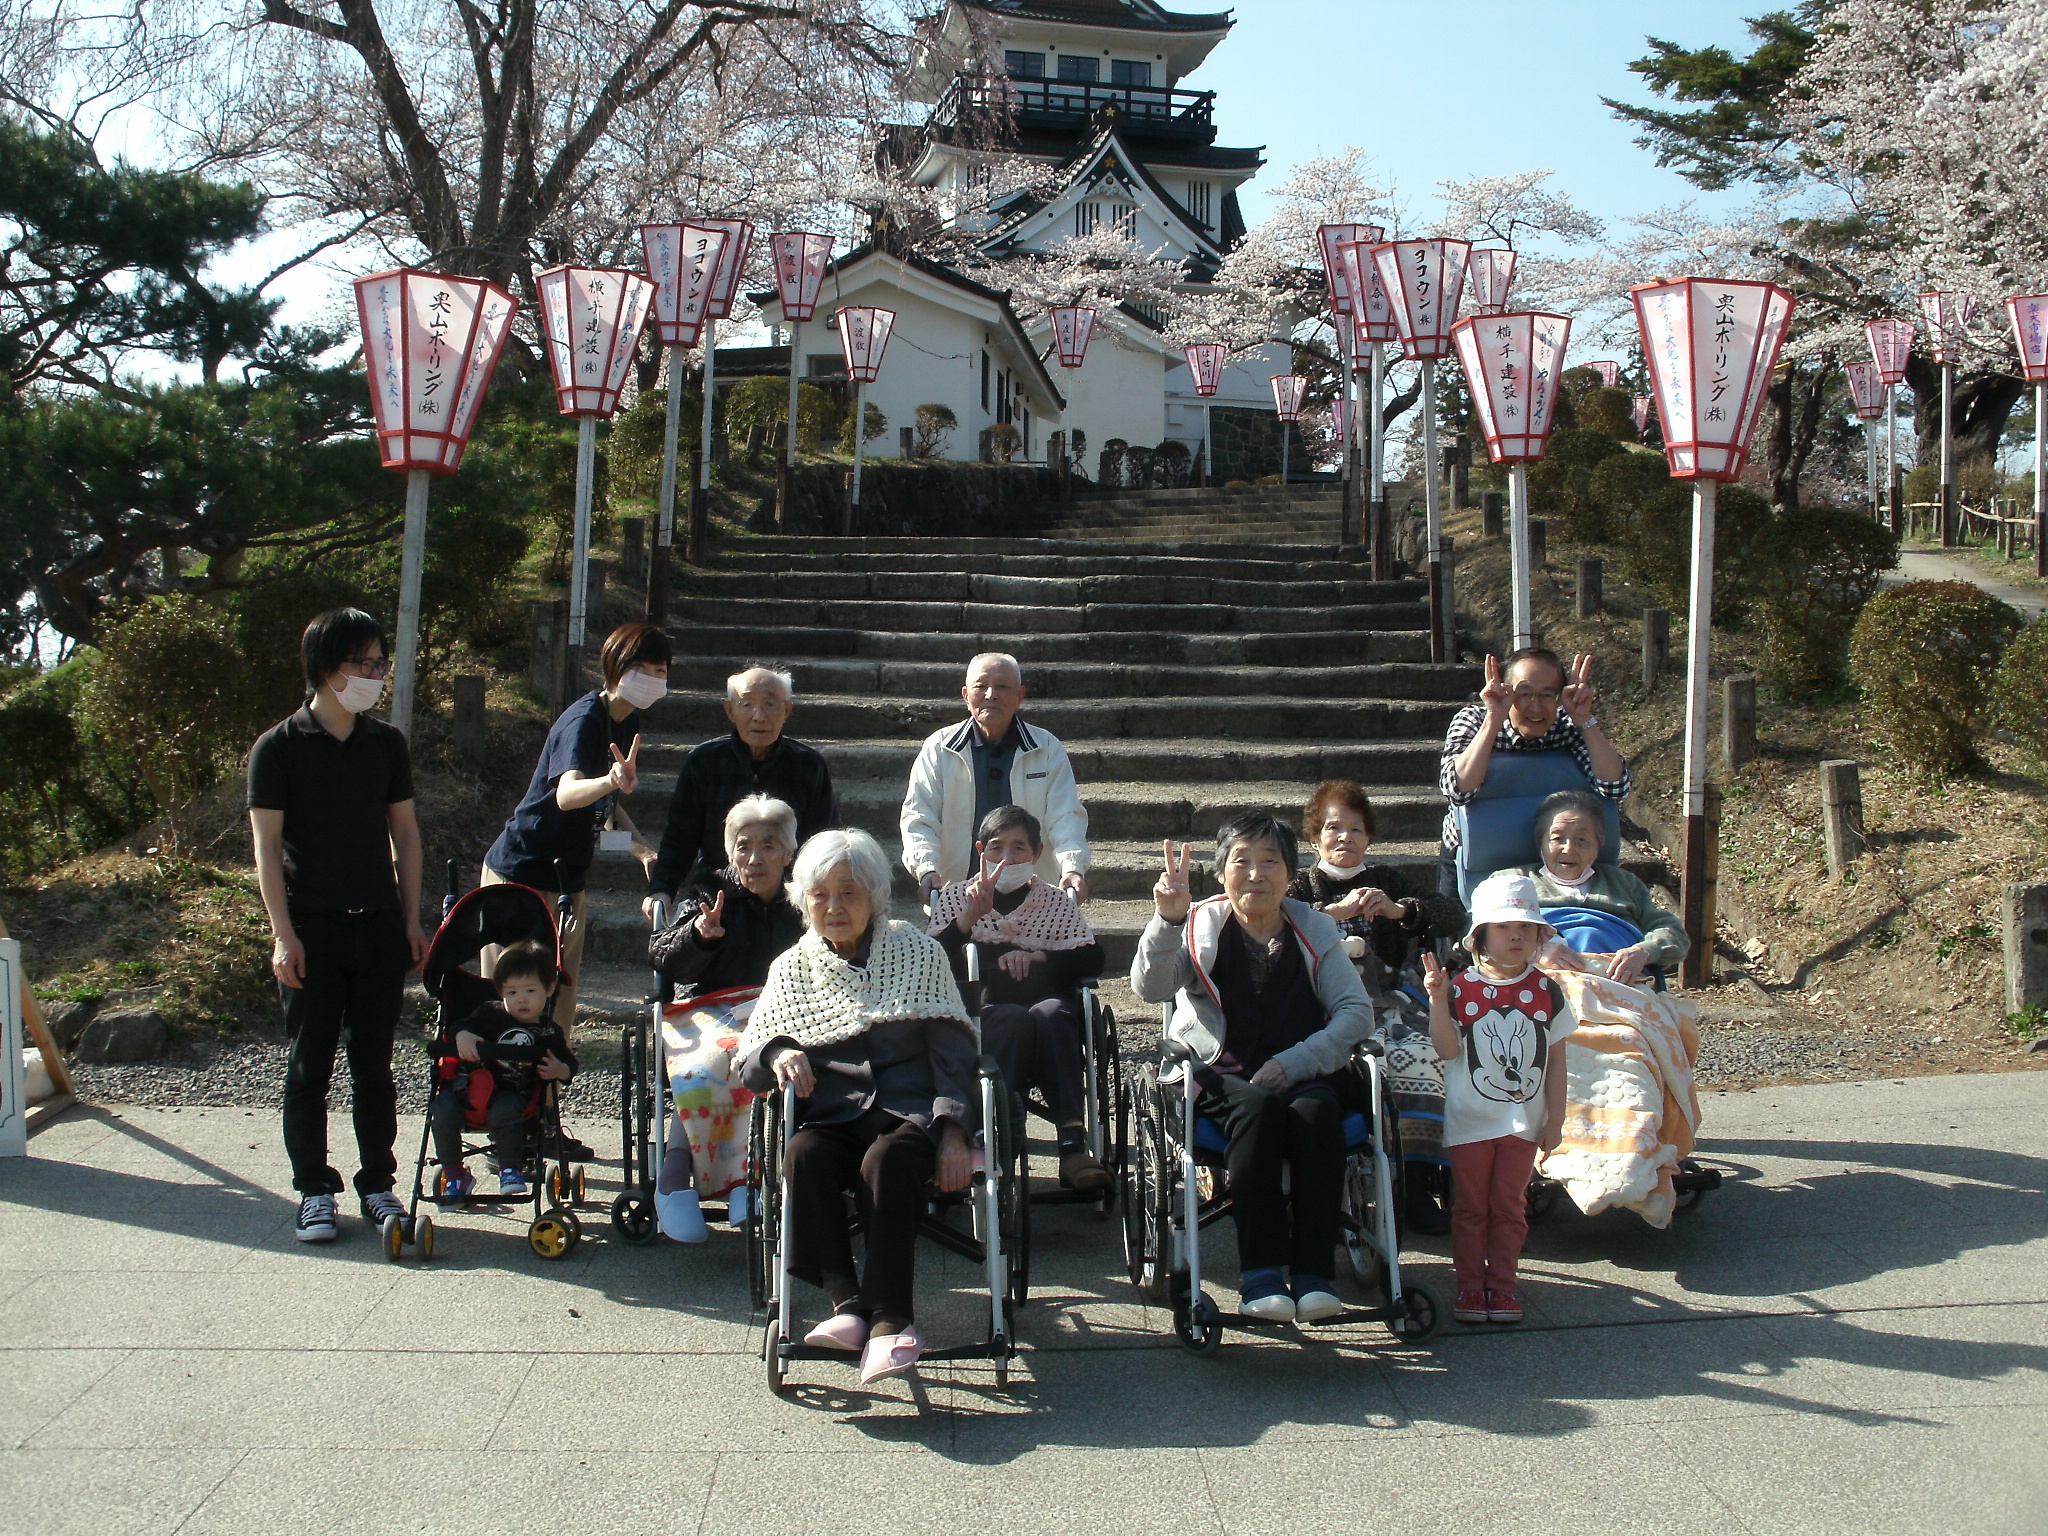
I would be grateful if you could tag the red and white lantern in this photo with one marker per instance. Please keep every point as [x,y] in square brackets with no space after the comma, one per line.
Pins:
[1512,365]
[1424,280]
[732,264]
[1947,315]
[1072,327]
[864,337]
[1288,388]
[1891,345]
[1609,371]
[1340,419]
[430,343]
[591,319]
[1205,365]
[683,261]
[1639,411]
[1375,321]
[1711,346]
[1492,271]
[1866,389]
[1344,288]
[2029,314]
[800,261]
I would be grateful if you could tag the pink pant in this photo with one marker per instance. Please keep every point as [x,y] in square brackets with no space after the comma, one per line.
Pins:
[1489,1209]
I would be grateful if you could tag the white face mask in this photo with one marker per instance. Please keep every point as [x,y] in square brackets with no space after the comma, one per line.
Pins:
[1335,873]
[359,693]
[1014,877]
[641,689]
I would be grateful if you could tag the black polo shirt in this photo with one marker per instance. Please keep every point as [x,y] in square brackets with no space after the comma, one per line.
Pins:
[335,796]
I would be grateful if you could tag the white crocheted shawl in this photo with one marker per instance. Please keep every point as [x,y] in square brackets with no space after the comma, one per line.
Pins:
[816,998]
[1045,920]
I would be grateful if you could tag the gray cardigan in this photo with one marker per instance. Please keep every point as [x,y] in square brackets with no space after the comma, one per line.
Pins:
[1174,960]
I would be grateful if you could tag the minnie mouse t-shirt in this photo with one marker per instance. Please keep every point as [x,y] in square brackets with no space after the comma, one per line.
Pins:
[1495,1086]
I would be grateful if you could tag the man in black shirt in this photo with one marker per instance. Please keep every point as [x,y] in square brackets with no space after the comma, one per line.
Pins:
[338,863]
[755,759]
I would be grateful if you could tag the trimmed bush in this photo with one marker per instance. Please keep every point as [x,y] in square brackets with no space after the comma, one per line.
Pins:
[1004,442]
[1924,653]
[763,401]
[875,424]
[1658,548]
[2017,689]
[1561,489]
[933,425]
[1634,491]
[1812,572]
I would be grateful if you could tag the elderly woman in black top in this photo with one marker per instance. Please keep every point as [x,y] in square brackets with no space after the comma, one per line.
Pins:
[726,931]
[863,1019]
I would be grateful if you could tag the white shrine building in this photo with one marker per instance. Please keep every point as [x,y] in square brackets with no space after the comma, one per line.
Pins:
[1091,88]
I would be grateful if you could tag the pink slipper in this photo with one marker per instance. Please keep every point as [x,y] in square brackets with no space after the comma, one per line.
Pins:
[842,1330]
[890,1355]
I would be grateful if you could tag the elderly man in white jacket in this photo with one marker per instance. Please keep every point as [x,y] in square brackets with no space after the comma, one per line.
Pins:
[988,760]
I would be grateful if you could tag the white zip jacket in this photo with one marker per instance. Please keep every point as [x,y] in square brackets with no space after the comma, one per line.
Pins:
[938,810]
[1174,961]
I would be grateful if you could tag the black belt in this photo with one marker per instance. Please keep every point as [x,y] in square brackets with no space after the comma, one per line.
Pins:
[339,913]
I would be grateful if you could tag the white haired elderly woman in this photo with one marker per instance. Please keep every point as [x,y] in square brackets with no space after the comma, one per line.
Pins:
[1271,1007]
[726,930]
[1601,910]
[862,1018]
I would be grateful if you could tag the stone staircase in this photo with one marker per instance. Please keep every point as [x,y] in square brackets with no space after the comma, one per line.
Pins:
[1189,681]
[1266,514]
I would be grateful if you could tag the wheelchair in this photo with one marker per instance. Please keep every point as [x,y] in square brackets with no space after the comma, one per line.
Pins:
[997,1235]
[1177,1184]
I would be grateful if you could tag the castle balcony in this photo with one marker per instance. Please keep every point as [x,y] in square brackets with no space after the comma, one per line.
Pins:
[996,107]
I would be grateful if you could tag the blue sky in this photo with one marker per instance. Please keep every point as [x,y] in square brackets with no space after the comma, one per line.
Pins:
[1443,91]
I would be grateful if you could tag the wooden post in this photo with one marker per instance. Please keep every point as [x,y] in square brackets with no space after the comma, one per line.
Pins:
[1446,566]
[1841,806]
[1702,874]
[633,567]
[785,497]
[1738,720]
[2026,948]
[754,438]
[471,738]
[906,443]
[1590,592]
[696,550]
[548,629]
[1492,511]
[1656,645]
[1382,540]
[1539,544]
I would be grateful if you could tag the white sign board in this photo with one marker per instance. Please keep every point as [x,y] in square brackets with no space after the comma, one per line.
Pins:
[13,1104]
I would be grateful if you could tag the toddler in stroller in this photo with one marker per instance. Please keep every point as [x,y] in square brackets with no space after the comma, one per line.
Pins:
[497,1058]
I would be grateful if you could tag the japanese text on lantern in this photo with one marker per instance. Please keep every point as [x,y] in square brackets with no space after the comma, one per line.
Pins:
[438,306]
[1724,330]
[1509,397]
[482,353]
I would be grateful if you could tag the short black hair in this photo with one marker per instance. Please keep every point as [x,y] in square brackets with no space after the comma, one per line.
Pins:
[1258,827]
[1535,653]
[517,962]
[628,646]
[335,637]
[1004,817]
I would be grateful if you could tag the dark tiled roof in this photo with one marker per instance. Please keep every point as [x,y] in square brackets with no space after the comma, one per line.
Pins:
[1134,15]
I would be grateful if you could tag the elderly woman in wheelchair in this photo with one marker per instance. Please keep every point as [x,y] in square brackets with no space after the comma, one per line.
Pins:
[1598,907]
[862,1019]
[1268,1009]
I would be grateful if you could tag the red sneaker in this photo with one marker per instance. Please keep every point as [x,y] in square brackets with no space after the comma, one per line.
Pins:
[1470,1306]
[1504,1306]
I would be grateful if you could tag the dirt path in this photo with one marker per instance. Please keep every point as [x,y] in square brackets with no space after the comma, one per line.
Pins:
[1920,565]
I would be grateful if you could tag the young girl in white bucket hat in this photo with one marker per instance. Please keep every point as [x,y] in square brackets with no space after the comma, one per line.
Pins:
[1499,1027]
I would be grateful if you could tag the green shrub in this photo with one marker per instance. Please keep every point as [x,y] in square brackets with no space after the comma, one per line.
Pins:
[1811,574]
[934,424]
[271,610]
[638,440]
[1658,548]
[56,802]
[1923,653]
[1560,487]
[764,401]
[1609,412]
[874,423]
[1004,441]
[2019,686]
[1633,491]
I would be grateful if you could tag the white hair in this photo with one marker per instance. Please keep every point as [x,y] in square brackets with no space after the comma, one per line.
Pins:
[737,683]
[758,810]
[987,658]
[852,849]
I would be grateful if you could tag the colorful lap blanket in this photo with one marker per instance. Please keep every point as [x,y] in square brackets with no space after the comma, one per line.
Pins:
[712,1108]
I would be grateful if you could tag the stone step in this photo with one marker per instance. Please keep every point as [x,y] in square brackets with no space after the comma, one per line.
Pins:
[746,556]
[1074,680]
[1018,620]
[1295,530]
[732,644]
[1048,591]
[1216,496]
[790,543]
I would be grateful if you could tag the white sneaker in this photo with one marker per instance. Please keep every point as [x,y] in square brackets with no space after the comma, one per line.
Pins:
[1316,1306]
[1271,1309]
[316,1219]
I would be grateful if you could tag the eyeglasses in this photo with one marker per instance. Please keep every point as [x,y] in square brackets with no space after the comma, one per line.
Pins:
[366,666]
[1531,696]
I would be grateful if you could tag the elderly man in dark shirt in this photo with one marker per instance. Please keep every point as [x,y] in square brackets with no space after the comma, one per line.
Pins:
[754,758]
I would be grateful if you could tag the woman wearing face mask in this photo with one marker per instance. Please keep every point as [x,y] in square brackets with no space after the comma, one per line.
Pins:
[591,760]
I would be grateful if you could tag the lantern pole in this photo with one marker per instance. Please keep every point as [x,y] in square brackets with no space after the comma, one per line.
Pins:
[2041,476]
[664,541]
[1698,639]
[405,657]
[1891,454]
[860,428]
[1373,446]
[1437,648]
[579,571]
[789,437]
[1518,552]
[1344,352]
[1948,378]
[710,395]
[1206,461]
[1870,464]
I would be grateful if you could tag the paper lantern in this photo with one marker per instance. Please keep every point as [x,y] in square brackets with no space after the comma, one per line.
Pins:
[1512,365]
[1610,373]
[1866,388]
[1375,322]
[1205,364]
[1639,411]
[1492,270]
[732,263]
[1947,315]
[1072,326]
[430,343]
[1288,388]
[1424,279]
[1711,345]
[800,261]
[1331,238]
[591,319]
[864,337]
[1891,344]
[1340,419]
[683,261]
[2029,314]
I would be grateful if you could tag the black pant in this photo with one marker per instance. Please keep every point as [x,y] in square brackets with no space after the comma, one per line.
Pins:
[354,983]
[1447,874]
[1039,1047]
[887,1162]
[1300,1129]
[504,1117]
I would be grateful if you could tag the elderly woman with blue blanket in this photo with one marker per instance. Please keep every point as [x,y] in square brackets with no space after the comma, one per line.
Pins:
[1601,910]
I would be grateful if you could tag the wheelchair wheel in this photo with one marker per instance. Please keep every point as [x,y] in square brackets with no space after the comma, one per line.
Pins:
[1116,1116]
[1013,1203]
[1542,1197]
[771,1352]
[633,1217]
[1362,1221]
[1198,1326]
[1148,1206]
[1424,1316]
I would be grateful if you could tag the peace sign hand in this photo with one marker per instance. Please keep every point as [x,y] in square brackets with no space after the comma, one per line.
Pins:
[711,921]
[1578,690]
[625,770]
[1495,695]
[1436,981]
[1170,894]
[979,894]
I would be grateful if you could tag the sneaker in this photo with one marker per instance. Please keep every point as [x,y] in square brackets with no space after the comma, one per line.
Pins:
[1470,1307]
[576,1151]
[739,1205]
[457,1186]
[1504,1306]
[513,1183]
[317,1219]
[1263,1294]
[381,1206]
[1314,1301]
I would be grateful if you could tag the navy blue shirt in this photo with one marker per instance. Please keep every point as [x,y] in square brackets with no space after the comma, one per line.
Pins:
[540,831]
[992,762]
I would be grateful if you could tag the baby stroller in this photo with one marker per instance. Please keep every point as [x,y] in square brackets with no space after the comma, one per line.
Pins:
[491,915]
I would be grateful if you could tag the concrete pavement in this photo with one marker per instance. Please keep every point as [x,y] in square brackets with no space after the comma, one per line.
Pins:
[1852,1336]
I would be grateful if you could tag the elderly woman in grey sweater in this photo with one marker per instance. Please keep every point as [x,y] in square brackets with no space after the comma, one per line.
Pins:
[1271,1008]
[1570,830]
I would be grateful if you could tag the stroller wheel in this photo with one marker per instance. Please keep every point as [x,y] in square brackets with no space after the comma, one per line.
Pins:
[423,1236]
[558,1184]
[633,1217]
[553,1234]
[582,1186]
[393,1233]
